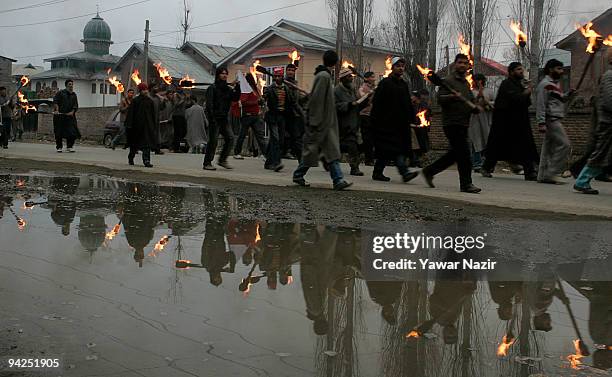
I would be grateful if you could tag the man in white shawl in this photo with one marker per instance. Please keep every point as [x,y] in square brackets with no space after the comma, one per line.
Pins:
[197,124]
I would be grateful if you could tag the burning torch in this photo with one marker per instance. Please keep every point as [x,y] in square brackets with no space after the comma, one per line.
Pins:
[261,69]
[595,42]
[295,57]
[435,79]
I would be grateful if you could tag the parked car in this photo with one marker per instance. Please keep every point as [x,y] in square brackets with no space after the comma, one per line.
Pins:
[111,129]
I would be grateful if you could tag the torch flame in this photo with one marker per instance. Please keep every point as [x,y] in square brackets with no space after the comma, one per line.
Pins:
[136,77]
[113,80]
[257,75]
[503,348]
[422,117]
[257,235]
[413,334]
[24,80]
[21,223]
[424,71]
[608,41]
[466,50]
[294,56]
[108,71]
[182,264]
[289,280]
[110,235]
[591,35]
[347,64]
[521,37]
[23,102]
[186,82]
[163,73]
[574,359]
[388,66]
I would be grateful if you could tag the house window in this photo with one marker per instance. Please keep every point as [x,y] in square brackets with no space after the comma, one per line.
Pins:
[38,87]
[93,88]
[101,88]
[54,84]
[112,89]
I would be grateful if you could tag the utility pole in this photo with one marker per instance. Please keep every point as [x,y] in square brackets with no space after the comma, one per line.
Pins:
[145,67]
[360,36]
[478,26]
[447,57]
[536,31]
[433,34]
[340,35]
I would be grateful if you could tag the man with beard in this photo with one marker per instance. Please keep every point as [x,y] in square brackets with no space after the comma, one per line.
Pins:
[455,121]
[321,134]
[348,118]
[392,114]
[141,127]
[279,102]
[218,101]
[65,106]
[123,109]
[511,138]
[601,158]
[365,124]
[550,111]
[294,120]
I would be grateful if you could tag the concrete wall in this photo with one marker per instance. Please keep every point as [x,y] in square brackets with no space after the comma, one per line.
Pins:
[90,122]
[83,89]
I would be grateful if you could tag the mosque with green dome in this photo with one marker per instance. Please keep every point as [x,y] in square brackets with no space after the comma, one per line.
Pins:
[87,68]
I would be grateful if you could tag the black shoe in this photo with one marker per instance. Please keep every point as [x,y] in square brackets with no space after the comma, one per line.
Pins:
[209,167]
[586,190]
[531,177]
[428,179]
[477,169]
[301,182]
[380,177]
[549,181]
[278,167]
[148,165]
[159,153]
[410,176]
[225,165]
[342,185]
[130,161]
[486,173]
[357,172]
[471,189]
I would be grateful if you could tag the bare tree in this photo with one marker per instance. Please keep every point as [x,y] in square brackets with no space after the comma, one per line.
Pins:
[351,24]
[523,11]
[186,20]
[464,21]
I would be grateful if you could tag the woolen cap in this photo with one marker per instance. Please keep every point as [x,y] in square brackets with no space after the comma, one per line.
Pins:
[397,60]
[344,72]
[143,86]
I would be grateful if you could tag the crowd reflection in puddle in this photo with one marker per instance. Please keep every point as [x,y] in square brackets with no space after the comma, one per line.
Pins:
[437,321]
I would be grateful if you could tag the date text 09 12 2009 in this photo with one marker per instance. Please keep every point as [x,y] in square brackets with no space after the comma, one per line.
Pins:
[21,363]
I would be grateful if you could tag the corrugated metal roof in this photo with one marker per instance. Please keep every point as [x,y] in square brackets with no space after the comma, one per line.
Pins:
[563,56]
[21,70]
[64,73]
[177,63]
[214,53]
[87,56]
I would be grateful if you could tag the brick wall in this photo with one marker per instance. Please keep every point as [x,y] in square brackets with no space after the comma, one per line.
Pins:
[90,122]
[577,125]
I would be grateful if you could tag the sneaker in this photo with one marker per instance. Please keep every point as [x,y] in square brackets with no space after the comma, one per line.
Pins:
[209,167]
[342,185]
[70,150]
[380,177]
[471,189]
[238,157]
[278,167]
[410,176]
[225,165]
[148,165]
[586,190]
[428,179]
[59,150]
[301,182]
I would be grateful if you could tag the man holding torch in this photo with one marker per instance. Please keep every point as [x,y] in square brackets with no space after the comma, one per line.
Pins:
[123,109]
[456,115]
[6,109]
[65,106]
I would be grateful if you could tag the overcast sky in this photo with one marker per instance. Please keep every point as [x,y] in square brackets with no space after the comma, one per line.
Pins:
[33,43]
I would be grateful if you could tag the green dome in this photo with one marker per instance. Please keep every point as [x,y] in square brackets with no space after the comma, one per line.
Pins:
[97,30]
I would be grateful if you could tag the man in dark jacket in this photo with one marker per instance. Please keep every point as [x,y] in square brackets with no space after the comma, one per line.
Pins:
[348,118]
[294,120]
[392,114]
[511,138]
[65,106]
[455,121]
[140,125]
[279,102]
[218,100]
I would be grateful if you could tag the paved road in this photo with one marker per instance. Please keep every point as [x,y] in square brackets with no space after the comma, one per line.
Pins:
[504,190]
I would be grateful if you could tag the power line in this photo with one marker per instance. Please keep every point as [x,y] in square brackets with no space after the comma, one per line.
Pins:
[75,17]
[39,5]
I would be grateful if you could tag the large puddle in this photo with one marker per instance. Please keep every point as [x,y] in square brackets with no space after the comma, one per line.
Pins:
[135,279]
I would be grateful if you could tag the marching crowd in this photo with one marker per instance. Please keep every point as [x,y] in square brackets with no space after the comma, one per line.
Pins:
[378,120]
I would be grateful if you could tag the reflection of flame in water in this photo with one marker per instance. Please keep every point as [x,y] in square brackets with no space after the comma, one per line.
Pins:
[413,334]
[110,235]
[183,264]
[20,183]
[388,66]
[248,288]
[257,235]
[575,358]
[423,119]
[21,223]
[503,348]
[159,246]
[289,280]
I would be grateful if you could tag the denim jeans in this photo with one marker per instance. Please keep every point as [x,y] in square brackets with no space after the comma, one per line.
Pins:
[400,163]
[586,175]
[335,172]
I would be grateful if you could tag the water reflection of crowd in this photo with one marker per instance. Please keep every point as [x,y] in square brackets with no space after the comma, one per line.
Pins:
[329,264]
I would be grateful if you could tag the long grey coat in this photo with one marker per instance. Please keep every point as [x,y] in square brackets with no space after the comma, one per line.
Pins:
[321,133]
[602,156]
[196,126]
